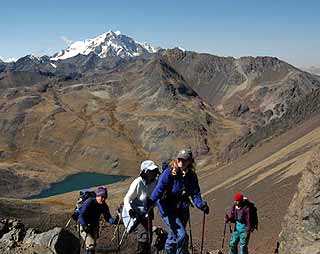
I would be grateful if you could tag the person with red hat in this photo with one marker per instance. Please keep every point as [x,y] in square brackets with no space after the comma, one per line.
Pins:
[240,215]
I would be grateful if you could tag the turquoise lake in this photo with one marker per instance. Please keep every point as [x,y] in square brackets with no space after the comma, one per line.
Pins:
[77,182]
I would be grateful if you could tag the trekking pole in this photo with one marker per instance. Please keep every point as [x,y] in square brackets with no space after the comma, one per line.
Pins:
[118,240]
[203,228]
[115,231]
[190,233]
[224,235]
[84,242]
[67,225]
[123,235]
[149,228]
[78,226]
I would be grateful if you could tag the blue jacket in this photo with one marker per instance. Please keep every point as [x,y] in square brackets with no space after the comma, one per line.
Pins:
[90,212]
[173,192]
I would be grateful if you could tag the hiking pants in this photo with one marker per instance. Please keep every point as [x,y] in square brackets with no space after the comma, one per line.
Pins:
[90,239]
[176,236]
[239,236]
[143,241]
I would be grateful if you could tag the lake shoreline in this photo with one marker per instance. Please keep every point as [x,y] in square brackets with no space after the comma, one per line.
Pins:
[74,182]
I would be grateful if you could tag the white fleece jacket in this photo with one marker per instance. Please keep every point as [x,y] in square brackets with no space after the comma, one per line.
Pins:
[137,194]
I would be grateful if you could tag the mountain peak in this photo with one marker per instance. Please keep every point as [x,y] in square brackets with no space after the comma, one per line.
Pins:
[7,59]
[107,44]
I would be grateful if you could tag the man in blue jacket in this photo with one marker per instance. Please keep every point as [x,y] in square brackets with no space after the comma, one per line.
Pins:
[89,217]
[176,185]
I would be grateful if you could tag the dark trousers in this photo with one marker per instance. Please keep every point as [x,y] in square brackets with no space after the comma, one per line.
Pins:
[143,233]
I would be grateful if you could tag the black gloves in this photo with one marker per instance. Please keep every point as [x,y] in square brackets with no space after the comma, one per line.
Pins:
[205,208]
[132,213]
[86,229]
[75,216]
[117,219]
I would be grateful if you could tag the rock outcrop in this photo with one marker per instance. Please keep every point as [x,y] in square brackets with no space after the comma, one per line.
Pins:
[15,238]
[301,230]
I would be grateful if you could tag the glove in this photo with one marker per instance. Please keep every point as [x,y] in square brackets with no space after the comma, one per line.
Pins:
[205,208]
[116,219]
[132,213]
[86,229]
[74,216]
[226,218]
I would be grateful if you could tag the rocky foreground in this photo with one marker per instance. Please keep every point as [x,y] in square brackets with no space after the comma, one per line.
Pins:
[301,231]
[16,238]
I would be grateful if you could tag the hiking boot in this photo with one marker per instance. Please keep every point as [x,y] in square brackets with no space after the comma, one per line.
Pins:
[143,248]
[170,251]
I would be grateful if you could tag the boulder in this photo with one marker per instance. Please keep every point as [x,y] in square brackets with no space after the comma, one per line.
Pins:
[15,231]
[14,238]
[58,240]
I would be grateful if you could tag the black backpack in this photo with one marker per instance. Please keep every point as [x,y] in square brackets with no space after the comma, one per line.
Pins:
[254,221]
[83,196]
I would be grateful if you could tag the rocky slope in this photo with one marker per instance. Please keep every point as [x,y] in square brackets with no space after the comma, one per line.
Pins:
[248,87]
[16,238]
[107,123]
[300,233]
[106,114]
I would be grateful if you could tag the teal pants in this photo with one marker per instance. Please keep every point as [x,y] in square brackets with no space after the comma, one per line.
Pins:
[239,236]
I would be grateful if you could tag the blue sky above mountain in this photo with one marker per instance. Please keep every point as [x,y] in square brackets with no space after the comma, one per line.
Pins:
[286,29]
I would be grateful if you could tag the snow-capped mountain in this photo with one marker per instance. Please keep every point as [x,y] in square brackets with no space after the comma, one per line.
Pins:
[107,44]
[7,59]
[313,70]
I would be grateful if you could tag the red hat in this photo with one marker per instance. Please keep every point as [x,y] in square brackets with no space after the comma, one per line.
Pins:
[238,197]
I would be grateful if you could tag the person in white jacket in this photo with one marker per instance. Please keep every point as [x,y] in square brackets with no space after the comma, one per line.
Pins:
[134,211]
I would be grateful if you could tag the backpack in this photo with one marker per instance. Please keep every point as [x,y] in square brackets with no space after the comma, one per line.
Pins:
[159,240]
[253,214]
[83,196]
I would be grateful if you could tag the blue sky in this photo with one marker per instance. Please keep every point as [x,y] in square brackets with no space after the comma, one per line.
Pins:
[288,29]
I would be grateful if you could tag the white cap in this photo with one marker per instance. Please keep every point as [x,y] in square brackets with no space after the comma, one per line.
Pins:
[148,165]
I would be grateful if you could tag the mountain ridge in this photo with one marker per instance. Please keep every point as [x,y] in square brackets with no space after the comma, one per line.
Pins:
[108,44]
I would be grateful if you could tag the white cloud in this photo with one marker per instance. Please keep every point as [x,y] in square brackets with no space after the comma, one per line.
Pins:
[66,40]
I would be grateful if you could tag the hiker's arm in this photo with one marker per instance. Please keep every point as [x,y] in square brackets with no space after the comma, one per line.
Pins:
[82,211]
[232,217]
[196,194]
[131,195]
[161,186]
[107,216]
[249,226]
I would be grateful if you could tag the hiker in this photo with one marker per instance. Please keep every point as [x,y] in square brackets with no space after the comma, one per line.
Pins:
[89,217]
[175,186]
[240,215]
[135,205]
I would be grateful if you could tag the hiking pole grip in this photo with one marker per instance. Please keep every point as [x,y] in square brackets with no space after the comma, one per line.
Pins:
[203,228]
[190,232]
[224,235]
